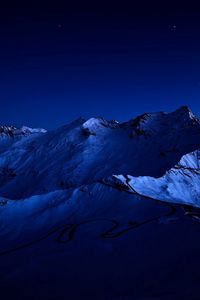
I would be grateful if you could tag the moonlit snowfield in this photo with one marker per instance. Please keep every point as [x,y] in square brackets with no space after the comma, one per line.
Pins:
[100,210]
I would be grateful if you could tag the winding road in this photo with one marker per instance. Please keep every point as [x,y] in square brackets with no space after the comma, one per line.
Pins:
[66,232]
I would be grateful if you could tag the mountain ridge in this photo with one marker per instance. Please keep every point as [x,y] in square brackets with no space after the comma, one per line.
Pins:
[86,151]
[96,197]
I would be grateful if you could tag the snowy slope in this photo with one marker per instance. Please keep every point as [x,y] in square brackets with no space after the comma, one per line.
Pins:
[72,229]
[10,134]
[70,244]
[86,151]
[181,184]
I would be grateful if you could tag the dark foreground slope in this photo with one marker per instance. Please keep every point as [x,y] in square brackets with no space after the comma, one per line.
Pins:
[100,244]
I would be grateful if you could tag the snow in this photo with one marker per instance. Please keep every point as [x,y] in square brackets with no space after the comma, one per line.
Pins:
[181,184]
[26,129]
[65,212]
[154,157]
[93,125]
[70,157]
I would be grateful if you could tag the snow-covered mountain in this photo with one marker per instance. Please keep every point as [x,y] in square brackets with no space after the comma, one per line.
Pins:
[12,131]
[90,197]
[11,134]
[87,151]
[181,184]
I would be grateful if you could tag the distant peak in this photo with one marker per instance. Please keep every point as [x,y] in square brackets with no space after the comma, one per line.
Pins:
[6,129]
[185,111]
[94,125]
[146,116]
[143,119]
[184,107]
[12,131]
[28,130]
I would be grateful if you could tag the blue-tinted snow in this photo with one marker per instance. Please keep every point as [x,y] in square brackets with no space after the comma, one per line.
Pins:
[71,229]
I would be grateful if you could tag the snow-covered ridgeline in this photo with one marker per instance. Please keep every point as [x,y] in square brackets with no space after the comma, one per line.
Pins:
[12,131]
[181,184]
[86,151]
[11,134]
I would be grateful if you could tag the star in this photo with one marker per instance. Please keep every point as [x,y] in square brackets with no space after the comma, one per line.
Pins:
[60,25]
[174,26]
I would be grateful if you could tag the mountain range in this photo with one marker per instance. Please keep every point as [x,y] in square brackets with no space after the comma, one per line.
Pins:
[100,205]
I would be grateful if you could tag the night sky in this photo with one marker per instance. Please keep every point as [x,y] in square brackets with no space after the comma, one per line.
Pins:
[115,58]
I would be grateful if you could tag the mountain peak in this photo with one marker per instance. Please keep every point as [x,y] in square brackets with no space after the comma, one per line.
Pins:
[185,114]
[12,131]
[185,110]
[28,130]
[94,125]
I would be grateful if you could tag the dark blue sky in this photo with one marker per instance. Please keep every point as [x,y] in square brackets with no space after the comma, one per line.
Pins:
[115,58]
